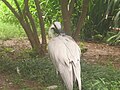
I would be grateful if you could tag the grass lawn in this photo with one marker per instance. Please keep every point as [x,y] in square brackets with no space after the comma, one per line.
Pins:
[41,70]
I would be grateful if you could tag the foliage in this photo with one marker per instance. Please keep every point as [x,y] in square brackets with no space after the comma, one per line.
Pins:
[95,19]
[6,15]
[114,9]
[76,13]
[51,11]
[8,31]
[26,20]
[101,16]
[50,8]
[114,39]
[94,77]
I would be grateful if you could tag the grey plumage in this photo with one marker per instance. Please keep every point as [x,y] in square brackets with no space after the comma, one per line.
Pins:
[65,55]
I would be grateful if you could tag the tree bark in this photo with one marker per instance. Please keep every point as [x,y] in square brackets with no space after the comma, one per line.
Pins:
[41,24]
[71,7]
[66,17]
[67,9]
[81,20]
[33,28]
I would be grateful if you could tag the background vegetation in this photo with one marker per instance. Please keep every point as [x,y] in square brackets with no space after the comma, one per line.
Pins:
[102,24]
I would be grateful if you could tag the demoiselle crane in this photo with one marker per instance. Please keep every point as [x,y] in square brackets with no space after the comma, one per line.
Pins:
[65,55]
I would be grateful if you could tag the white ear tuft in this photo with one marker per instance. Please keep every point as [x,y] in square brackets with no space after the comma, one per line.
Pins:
[58,25]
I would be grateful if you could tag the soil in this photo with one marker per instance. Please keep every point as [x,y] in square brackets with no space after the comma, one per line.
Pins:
[5,84]
[102,54]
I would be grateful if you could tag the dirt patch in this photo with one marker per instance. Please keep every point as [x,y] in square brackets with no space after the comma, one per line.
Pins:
[102,54]
[6,84]
[17,44]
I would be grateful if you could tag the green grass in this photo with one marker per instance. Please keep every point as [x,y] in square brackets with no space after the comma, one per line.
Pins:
[8,31]
[96,77]
[41,70]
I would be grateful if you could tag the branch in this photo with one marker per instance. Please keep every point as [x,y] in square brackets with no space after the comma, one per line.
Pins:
[81,19]
[64,4]
[71,7]
[18,8]
[17,16]
[66,16]
[30,17]
[26,8]
[25,16]
[41,22]
[26,26]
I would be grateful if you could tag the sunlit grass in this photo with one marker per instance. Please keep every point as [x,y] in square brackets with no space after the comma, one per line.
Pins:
[8,31]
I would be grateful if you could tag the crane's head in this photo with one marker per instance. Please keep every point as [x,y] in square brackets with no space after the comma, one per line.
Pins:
[55,30]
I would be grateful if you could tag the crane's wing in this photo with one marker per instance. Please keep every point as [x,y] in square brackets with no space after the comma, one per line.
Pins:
[65,55]
[73,53]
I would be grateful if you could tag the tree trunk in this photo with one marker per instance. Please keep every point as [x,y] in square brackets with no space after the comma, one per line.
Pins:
[81,20]
[66,17]
[27,13]
[41,23]
[66,9]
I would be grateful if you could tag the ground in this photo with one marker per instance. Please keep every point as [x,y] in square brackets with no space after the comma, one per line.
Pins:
[102,54]
[96,53]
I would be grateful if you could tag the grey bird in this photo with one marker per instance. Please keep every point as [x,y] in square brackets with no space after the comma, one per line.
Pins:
[65,55]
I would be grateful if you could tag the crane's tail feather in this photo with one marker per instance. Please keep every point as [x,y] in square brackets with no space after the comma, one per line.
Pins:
[76,74]
[67,76]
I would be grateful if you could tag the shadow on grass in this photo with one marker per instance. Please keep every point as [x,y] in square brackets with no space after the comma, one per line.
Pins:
[41,70]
